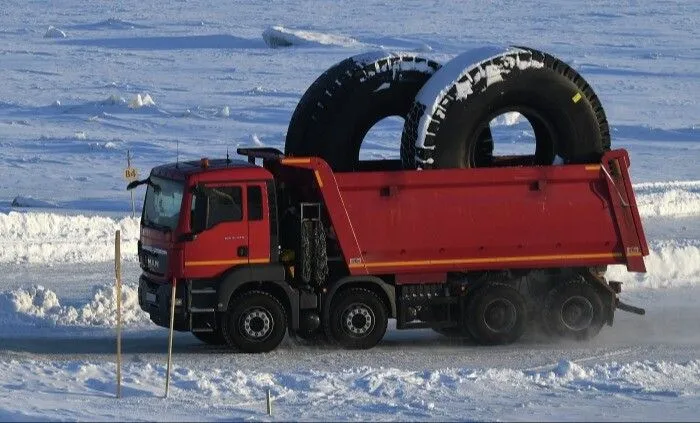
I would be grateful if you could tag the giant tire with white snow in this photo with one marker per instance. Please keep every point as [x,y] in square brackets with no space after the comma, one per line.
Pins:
[445,124]
[341,106]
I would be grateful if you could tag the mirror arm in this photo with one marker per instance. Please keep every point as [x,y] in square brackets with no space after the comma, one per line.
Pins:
[134,184]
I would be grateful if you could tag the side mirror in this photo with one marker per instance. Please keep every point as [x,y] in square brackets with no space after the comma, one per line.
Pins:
[134,184]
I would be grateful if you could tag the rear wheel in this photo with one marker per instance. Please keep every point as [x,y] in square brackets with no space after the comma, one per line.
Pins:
[255,322]
[497,314]
[358,319]
[574,310]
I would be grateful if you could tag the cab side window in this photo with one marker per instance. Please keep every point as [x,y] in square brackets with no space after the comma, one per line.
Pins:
[216,205]
[225,205]
[255,207]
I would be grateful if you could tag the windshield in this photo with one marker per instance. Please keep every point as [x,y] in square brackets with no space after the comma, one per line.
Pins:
[161,208]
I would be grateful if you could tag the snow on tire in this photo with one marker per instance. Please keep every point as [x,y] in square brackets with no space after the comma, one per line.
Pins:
[341,106]
[446,124]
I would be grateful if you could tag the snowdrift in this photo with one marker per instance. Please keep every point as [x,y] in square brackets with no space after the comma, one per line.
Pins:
[670,263]
[279,36]
[565,389]
[41,307]
[55,238]
[675,198]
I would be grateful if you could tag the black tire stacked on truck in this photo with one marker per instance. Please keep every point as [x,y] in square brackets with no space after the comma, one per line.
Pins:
[341,106]
[445,125]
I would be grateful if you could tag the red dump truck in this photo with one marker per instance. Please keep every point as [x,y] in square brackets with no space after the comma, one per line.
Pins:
[257,251]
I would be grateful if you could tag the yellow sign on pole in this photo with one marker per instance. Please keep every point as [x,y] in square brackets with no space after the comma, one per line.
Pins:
[130,173]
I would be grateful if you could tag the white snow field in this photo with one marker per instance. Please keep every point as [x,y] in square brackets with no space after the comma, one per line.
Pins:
[85,82]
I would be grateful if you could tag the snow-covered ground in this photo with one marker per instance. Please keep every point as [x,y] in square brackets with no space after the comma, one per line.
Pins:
[85,82]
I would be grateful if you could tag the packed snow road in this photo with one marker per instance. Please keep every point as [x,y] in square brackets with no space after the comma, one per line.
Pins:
[59,325]
[59,349]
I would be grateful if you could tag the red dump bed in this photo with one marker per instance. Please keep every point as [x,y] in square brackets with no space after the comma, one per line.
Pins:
[401,222]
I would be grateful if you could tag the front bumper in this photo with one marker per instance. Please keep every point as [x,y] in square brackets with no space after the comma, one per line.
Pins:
[154,299]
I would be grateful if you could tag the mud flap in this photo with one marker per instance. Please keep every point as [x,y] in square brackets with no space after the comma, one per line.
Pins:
[630,309]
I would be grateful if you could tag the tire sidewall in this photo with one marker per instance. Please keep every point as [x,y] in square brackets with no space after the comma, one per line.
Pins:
[553,310]
[529,80]
[340,136]
[371,301]
[233,332]
[477,308]
[543,91]
[336,112]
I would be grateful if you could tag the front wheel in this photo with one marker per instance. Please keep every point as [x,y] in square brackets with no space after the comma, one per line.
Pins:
[255,322]
[358,319]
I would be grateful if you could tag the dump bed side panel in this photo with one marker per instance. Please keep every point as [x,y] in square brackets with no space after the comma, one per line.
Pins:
[463,219]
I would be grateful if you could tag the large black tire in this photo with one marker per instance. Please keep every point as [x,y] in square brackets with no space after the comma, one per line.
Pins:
[339,108]
[445,126]
[573,310]
[497,315]
[255,322]
[358,319]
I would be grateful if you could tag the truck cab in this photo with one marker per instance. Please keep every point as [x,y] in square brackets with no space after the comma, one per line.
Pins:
[197,223]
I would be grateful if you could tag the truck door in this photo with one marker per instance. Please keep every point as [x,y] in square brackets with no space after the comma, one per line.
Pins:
[218,222]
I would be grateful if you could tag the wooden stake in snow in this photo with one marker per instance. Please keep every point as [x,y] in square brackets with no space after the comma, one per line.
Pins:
[118,277]
[269,403]
[170,338]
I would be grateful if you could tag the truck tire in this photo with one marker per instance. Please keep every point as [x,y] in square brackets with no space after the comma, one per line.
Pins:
[497,315]
[339,108]
[358,319]
[255,322]
[574,310]
[444,129]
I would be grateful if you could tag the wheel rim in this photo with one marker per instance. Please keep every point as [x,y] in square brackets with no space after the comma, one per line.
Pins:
[500,315]
[256,323]
[577,313]
[358,320]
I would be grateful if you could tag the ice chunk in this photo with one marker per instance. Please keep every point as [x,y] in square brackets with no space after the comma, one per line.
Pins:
[54,32]
[20,201]
[224,112]
[279,36]
[141,101]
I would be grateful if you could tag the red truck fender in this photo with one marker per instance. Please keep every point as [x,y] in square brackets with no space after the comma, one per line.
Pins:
[267,277]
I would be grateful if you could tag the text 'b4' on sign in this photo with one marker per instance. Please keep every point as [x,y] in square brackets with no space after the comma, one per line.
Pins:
[130,174]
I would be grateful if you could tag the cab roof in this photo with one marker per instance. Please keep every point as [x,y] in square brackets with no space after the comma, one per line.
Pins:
[214,167]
